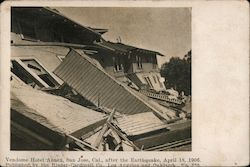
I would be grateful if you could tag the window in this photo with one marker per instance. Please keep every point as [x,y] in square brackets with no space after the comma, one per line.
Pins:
[139,62]
[24,75]
[33,73]
[149,82]
[154,79]
[117,63]
[158,78]
[154,62]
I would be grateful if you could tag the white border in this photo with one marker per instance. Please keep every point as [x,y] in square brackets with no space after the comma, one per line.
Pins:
[220,81]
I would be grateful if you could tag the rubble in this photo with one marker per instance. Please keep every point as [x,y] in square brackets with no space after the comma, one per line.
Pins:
[74,90]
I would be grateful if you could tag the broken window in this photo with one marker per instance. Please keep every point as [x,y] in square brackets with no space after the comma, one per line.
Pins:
[158,78]
[24,75]
[118,66]
[33,73]
[154,79]
[149,82]
[139,62]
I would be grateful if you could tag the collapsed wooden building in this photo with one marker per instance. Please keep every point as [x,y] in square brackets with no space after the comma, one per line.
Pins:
[73,90]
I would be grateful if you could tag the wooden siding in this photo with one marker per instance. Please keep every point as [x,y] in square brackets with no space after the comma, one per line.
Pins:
[47,55]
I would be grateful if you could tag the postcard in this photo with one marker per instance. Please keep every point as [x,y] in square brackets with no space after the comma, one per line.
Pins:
[124,83]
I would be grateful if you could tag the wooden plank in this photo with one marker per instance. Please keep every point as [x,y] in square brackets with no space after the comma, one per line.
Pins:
[104,129]
[107,133]
[116,137]
[99,137]
[111,116]
[87,135]
[123,136]
[82,142]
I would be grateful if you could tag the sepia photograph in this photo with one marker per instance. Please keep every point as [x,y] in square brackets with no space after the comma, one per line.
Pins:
[101,78]
[124,83]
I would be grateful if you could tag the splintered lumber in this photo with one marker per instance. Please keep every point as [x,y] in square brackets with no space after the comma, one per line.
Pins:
[91,133]
[123,136]
[104,129]
[82,142]
[110,118]
[107,133]
[99,137]
[116,137]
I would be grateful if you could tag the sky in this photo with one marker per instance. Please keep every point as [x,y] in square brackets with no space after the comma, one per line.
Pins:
[166,30]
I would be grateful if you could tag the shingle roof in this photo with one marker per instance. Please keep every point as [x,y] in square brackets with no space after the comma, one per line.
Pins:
[140,123]
[53,112]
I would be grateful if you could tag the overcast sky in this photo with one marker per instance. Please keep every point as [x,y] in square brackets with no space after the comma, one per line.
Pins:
[166,30]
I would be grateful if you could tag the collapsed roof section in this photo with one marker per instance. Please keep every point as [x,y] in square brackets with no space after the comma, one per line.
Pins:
[33,21]
[92,82]
[44,24]
[51,114]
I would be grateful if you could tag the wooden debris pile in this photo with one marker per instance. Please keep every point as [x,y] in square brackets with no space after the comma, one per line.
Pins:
[106,138]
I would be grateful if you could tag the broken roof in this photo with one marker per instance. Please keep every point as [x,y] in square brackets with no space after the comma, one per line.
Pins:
[96,85]
[53,112]
[53,17]
[139,123]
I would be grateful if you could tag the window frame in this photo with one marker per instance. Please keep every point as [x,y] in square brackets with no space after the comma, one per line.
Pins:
[117,64]
[138,61]
[35,76]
